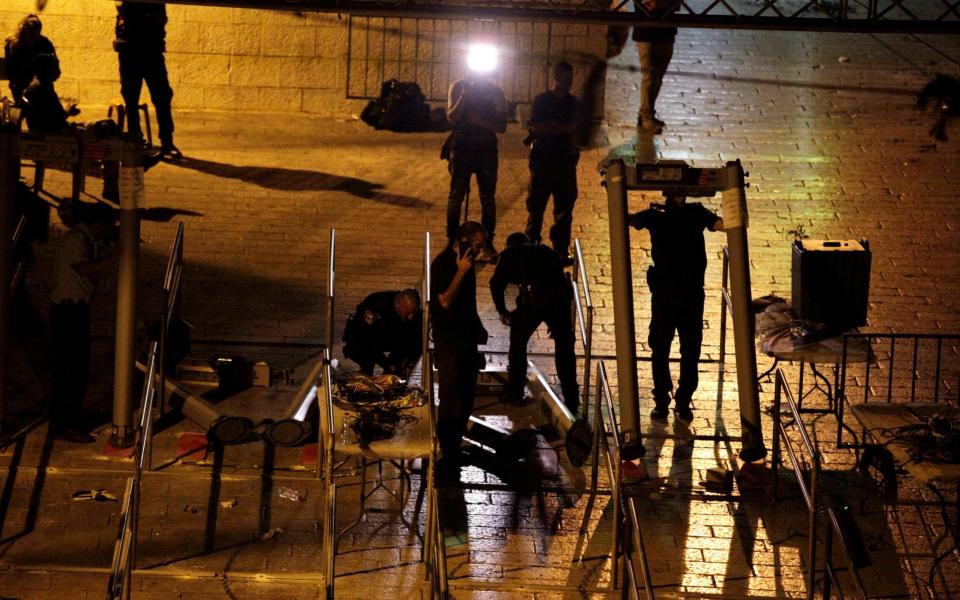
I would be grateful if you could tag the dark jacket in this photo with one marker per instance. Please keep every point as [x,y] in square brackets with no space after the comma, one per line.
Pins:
[45,113]
[536,270]
[140,27]
[375,327]
[19,62]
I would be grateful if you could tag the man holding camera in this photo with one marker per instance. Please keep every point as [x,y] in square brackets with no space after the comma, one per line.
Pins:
[385,330]
[457,333]
[84,255]
[477,110]
[553,161]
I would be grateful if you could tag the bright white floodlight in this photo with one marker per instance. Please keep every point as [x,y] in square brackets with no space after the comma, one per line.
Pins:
[482,58]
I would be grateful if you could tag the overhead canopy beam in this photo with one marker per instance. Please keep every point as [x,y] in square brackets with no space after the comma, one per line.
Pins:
[851,16]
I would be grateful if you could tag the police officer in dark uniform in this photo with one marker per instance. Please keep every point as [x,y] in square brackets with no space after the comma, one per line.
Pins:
[457,333]
[386,330]
[676,295]
[140,43]
[553,161]
[544,298]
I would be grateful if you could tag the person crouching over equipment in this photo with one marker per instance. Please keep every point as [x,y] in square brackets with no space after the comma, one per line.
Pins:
[385,330]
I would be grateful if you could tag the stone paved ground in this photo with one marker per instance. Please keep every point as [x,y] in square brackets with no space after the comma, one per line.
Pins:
[822,122]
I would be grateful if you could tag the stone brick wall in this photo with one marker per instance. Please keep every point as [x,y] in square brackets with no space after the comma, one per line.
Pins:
[236,59]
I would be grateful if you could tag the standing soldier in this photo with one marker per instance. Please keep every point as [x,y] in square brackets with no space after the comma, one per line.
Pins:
[385,331]
[544,298]
[140,43]
[676,295]
[553,161]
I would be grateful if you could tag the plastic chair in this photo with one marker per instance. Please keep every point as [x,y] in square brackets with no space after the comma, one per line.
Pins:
[120,107]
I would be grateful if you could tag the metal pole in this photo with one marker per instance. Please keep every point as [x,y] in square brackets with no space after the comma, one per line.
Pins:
[623,319]
[735,223]
[9,175]
[331,282]
[131,192]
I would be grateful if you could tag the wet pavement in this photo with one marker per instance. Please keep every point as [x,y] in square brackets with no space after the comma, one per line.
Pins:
[825,127]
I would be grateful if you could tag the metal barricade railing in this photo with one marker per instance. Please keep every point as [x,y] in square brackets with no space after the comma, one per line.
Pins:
[611,445]
[19,268]
[171,297]
[583,305]
[830,579]
[931,361]
[331,281]
[125,547]
[433,542]
[810,492]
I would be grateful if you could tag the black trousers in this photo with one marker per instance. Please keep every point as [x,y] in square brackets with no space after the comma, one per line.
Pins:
[457,374]
[484,165]
[675,309]
[523,323]
[558,179]
[137,66]
[367,358]
[70,328]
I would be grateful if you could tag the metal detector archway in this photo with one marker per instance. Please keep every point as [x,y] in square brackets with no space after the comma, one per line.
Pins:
[622,174]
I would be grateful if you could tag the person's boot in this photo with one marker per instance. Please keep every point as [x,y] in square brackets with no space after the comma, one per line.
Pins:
[168,150]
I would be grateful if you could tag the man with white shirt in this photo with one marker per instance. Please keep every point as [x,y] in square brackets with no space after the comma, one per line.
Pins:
[83,256]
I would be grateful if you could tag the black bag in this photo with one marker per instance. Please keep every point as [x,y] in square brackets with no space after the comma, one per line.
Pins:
[404,107]
[401,107]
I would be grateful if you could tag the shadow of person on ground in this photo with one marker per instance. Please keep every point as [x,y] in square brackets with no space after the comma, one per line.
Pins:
[300,180]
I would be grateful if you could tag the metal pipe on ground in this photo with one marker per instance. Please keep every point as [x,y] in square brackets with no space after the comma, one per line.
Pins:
[507,445]
[577,433]
[293,428]
[225,429]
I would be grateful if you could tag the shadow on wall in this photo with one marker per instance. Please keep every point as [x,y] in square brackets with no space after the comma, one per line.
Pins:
[299,180]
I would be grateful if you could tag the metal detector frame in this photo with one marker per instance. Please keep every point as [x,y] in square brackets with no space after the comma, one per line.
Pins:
[622,174]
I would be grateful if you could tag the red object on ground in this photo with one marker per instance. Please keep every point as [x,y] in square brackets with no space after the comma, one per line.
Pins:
[308,455]
[111,451]
[192,447]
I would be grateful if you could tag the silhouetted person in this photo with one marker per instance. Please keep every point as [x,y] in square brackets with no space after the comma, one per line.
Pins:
[457,333]
[386,330]
[46,114]
[544,297]
[19,51]
[655,49]
[83,257]
[477,110]
[44,111]
[676,295]
[140,43]
[553,161]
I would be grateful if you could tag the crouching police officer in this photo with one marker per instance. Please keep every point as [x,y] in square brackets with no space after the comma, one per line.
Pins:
[544,298]
[385,330]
